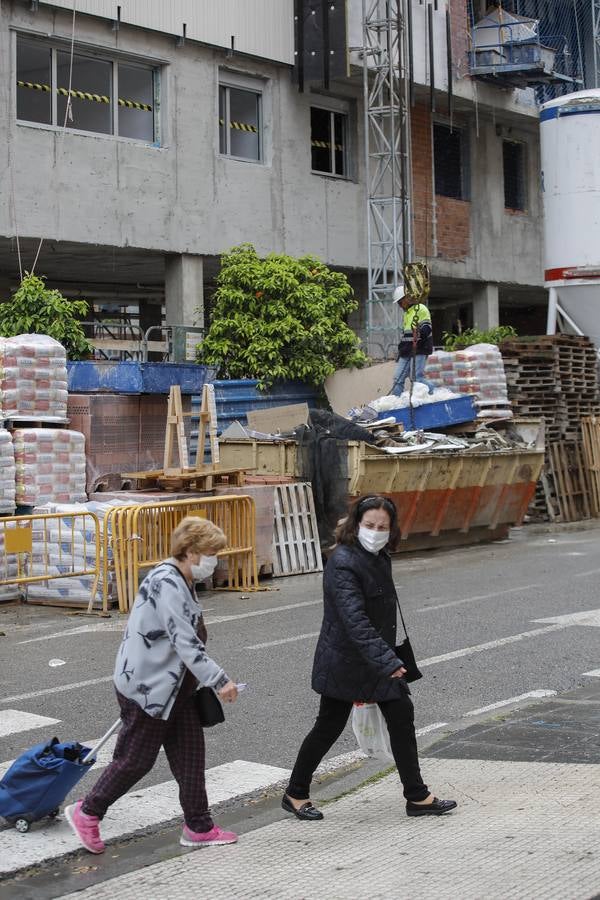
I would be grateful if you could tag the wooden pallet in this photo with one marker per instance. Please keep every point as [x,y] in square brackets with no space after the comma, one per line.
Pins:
[296,544]
[201,479]
[591,450]
[571,482]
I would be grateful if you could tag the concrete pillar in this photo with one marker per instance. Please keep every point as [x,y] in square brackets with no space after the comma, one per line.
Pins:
[486,308]
[184,290]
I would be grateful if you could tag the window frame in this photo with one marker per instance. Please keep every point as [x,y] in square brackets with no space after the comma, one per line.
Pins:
[465,159]
[56,46]
[524,209]
[345,118]
[229,82]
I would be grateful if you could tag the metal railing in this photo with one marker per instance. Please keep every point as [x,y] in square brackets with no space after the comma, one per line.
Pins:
[122,341]
[139,537]
[46,548]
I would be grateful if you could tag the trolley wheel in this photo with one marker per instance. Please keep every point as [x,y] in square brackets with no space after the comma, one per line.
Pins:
[54,813]
[22,825]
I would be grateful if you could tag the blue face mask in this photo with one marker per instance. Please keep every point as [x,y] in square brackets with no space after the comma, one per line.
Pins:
[372,540]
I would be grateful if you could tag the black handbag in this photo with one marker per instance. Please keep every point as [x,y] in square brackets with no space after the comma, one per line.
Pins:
[405,652]
[209,708]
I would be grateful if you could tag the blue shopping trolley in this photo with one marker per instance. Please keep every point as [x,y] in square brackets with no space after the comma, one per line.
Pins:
[40,779]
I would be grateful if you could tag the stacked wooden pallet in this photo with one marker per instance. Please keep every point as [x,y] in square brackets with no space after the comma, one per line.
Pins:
[556,377]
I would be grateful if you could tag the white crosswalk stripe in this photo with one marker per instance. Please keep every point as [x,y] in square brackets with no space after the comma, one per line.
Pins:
[15,720]
[137,811]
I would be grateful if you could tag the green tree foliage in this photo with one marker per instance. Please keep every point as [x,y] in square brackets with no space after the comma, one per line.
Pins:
[35,309]
[280,318]
[474,336]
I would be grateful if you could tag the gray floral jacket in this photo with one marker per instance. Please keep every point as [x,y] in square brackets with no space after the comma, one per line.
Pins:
[160,643]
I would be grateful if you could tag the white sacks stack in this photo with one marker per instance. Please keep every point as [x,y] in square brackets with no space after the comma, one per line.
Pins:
[67,546]
[50,466]
[477,370]
[33,378]
[7,474]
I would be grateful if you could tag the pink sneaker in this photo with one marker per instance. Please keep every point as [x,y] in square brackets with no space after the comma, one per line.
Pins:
[86,828]
[213,838]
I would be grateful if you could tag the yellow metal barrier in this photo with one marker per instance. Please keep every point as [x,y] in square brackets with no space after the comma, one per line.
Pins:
[47,547]
[140,537]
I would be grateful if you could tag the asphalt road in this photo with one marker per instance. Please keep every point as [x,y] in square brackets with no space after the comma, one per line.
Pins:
[476,608]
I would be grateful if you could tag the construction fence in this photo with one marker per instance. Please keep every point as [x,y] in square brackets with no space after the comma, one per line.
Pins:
[63,558]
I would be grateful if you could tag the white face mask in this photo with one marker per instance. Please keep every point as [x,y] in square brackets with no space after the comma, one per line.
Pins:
[371,540]
[205,568]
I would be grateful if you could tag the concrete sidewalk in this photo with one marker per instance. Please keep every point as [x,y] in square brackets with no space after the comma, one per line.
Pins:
[525,829]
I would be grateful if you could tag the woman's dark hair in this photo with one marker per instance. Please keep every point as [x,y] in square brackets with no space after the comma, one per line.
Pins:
[347,528]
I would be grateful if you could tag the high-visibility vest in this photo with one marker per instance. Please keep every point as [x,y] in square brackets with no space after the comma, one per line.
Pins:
[414,317]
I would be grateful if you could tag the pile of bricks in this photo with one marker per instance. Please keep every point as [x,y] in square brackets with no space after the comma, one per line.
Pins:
[554,377]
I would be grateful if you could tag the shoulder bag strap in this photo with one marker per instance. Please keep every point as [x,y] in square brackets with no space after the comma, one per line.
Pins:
[401,616]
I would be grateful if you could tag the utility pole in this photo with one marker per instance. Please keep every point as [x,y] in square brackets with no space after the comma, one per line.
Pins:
[386,86]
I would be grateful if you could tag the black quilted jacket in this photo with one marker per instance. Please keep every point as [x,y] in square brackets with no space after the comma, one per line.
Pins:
[355,657]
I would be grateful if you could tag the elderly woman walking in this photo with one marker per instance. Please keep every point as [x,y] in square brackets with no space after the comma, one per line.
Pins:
[161,662]
[356,658]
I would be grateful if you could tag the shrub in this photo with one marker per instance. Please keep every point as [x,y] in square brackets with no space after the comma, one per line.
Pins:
[474,336]
[280,318]
[35,309]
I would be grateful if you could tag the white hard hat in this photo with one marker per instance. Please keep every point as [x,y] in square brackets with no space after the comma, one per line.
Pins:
[399,293]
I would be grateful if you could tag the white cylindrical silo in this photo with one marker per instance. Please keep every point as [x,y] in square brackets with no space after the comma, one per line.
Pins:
[570,154]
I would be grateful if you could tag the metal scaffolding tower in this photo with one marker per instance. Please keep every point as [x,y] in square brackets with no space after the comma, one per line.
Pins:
[596,41]
[387,155]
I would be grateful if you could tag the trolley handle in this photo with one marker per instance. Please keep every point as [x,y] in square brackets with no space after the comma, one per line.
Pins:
[89,757]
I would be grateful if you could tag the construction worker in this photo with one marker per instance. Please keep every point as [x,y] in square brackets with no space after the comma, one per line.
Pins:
[416,344]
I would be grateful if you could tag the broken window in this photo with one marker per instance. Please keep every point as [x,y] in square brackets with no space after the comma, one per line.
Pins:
[45,77]
[34,93]
[328,132]
[450,162]
[240,123]
[514,166]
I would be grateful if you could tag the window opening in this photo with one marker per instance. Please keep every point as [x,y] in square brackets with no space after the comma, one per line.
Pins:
[450,162]
[94,86]
[34,94]
[513,159]
[240,123]
[328,141]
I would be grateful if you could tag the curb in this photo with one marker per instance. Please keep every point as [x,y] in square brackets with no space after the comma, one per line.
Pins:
[555,527]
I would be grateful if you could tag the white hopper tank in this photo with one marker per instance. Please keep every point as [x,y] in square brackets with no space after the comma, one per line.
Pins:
[570,154]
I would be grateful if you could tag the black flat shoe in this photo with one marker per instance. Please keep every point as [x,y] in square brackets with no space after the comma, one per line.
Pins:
[307,811]
[437,808]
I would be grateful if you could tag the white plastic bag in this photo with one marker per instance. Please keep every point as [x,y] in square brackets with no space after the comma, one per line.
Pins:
[371,731]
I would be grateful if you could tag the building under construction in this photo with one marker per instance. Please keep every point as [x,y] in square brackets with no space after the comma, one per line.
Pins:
[142,140]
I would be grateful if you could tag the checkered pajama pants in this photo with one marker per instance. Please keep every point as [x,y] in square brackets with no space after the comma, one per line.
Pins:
[137,748]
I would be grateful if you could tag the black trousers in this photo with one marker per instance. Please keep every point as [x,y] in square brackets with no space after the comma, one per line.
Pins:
[331,721]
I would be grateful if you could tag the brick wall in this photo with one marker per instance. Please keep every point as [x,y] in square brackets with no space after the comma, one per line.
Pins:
[422,180]
[453,227]
[459,22]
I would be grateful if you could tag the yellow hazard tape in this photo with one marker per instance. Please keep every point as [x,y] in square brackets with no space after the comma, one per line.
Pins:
[325,145]
[241,126]
[34,87]
[85,95]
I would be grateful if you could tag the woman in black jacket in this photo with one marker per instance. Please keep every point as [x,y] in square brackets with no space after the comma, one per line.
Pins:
[355,658]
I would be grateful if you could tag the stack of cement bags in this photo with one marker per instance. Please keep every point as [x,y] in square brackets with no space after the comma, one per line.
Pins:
[476,370]
[50,466]
[33,378]
[7,474]
[67,547]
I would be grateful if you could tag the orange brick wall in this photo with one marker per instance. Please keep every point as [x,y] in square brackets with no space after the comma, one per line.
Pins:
[453,227]
[459,24]
[422,177]
[452,217]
